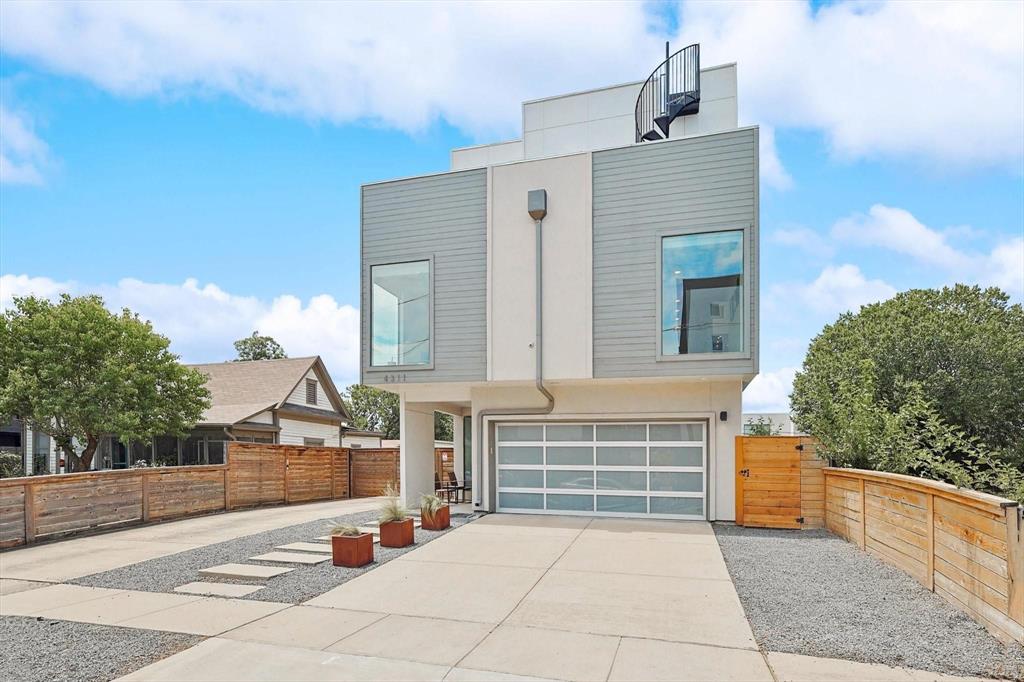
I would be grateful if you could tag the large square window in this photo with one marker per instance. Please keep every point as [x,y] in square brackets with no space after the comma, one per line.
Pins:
[400,314]
[702,293]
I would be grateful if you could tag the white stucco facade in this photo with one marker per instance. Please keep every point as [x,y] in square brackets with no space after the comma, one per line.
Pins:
[621,410]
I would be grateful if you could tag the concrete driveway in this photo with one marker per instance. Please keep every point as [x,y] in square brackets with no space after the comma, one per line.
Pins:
[502,598]
[509,597]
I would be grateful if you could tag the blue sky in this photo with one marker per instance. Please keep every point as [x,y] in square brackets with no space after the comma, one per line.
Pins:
[208,176]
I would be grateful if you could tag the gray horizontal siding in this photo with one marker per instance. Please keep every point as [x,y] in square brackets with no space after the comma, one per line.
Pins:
[443,216]
[640,192]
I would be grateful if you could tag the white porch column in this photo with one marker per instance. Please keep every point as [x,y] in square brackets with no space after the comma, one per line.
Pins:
[416,422]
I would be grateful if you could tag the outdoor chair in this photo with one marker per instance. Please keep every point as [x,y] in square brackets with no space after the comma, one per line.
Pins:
[442,489]
[458,488]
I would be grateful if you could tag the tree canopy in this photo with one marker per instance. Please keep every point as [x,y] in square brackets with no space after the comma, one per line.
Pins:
[256,347]
[373,409]
[930,382]
[76,371]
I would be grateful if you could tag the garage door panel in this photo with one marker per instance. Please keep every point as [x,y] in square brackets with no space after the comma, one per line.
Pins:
[614,469]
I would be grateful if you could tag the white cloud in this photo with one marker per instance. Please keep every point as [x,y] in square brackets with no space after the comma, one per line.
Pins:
[897,230]
[838,289]
[937,82]
[769,391]
[804,239]
[22,154]
[772,171]
[202,321]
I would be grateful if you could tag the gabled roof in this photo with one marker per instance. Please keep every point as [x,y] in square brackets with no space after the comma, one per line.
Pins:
[240,390]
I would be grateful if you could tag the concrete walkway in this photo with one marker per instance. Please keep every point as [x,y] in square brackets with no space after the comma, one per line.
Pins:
[503,598]
[77,557]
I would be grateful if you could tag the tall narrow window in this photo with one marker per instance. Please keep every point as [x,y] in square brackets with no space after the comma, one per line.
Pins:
[310,391]
[400,314]
[702,307]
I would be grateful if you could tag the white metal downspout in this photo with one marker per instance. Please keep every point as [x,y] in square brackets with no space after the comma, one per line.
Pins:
[539,381]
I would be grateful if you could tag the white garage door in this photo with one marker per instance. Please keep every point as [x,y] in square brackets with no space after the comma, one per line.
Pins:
[652,469]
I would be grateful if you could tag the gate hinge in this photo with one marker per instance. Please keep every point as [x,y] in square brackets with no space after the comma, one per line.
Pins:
[800,447]
[799,519]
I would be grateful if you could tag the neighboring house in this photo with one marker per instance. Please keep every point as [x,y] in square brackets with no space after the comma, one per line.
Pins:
[289,401]
[37,449]
[782,422]
[361,439]
[649,300]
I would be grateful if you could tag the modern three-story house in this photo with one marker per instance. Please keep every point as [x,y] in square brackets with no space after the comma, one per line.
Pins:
[583,300]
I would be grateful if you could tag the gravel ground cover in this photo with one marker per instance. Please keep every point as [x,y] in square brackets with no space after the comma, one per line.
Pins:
[38,650]
[810,592]
[305,582]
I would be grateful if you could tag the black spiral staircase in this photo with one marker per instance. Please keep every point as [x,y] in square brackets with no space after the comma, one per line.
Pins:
[671,91]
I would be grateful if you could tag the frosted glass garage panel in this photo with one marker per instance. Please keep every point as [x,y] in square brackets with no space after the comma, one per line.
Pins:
[622,432]
[568,478]
[680,506]
[564,432]
[520,478]
[508,433]
[521,455]
[622,480]
[565,455]
[682,456]
[521,500]
[677,482]
[570,502]
[677,432]
[622,456]
[622,504]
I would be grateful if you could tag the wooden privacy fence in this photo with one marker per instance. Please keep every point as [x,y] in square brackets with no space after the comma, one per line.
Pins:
[39,507]
[966,546]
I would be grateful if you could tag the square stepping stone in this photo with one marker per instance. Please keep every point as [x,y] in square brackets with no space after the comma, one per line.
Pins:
[291,558]
[218,589]
[318,547]
[244,571]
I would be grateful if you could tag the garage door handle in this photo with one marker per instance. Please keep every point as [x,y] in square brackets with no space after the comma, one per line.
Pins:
[745,473]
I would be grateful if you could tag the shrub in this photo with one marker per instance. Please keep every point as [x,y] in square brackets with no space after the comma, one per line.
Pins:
[11,465]
[345,529]
[429,506]
[392,508]
[954,356]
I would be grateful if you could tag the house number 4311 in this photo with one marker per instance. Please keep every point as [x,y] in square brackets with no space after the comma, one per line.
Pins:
[394,378]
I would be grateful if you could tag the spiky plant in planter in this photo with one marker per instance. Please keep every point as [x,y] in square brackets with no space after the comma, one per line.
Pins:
[396,529]
[434,513]
[350,547]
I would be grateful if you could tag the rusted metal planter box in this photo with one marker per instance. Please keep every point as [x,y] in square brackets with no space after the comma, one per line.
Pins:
[352,551]
[441,519]
[396,533]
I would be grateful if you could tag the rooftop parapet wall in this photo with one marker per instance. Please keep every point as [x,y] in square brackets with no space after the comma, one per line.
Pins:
[601,119]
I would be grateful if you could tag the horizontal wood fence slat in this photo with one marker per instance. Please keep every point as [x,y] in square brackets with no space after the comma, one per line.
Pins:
[256,474]
[965,546]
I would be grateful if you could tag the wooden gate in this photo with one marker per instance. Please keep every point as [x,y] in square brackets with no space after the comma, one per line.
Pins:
[777,482]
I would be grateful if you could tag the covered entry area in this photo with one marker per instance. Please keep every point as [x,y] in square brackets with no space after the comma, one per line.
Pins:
[631,468]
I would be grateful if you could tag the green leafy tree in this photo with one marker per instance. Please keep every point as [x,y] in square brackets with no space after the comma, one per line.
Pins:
[373,409]
[444,427]
[256,347]
[930,382]
[762,426]
[76,371]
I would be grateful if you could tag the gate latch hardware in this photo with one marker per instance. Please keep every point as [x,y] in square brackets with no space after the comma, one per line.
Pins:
[745,473]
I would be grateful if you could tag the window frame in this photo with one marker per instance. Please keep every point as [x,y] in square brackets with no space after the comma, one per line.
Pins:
[370,265]
[747,297]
